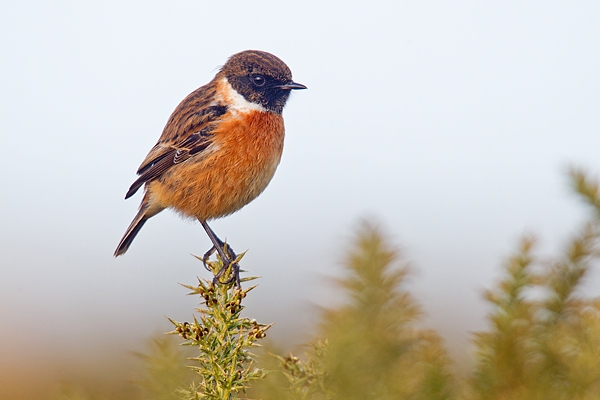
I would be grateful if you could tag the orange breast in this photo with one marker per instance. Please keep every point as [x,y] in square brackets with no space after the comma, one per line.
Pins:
[230,173]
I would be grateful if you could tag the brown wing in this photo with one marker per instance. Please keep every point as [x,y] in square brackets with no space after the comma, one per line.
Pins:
[188,132]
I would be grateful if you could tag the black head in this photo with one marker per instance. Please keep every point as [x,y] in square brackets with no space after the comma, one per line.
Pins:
[261,78]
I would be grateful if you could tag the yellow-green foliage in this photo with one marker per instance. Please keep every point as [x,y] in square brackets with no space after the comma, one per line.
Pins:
[543,340]
[307,378]
[545,346]
[373,348]
[165,372]
[222,338]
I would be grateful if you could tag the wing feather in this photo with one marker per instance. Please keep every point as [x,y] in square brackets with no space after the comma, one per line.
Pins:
[187,133]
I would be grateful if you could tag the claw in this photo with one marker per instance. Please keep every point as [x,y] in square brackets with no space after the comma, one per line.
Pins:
[235,276]
[207,256]
[227,256]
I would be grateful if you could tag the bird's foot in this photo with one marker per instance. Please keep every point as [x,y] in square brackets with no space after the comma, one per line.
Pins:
[235,274]
[228,259]
[227,250]
[206,257]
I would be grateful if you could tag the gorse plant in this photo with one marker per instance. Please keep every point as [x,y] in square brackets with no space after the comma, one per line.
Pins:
[548,348]
[164,369]
[542,341]
[307,378]
[374,348]
[223,340]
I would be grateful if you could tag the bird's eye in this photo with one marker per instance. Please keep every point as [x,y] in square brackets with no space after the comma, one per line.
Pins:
[258,80]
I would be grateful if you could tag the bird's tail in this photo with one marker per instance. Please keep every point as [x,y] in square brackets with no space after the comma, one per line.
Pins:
[145,212]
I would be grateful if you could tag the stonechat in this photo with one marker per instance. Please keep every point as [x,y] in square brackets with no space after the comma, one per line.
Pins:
[219,149]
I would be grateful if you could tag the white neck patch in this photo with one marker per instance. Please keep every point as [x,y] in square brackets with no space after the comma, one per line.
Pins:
[236,101]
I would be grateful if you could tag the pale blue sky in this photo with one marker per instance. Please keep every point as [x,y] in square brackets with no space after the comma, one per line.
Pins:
[450,123]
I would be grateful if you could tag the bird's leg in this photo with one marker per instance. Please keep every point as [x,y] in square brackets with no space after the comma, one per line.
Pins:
[220,247]
[230,253]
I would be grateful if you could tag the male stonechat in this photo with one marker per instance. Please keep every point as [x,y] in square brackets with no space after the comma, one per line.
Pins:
[219,149]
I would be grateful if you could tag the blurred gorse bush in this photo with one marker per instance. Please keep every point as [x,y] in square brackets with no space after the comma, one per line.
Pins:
[543,340]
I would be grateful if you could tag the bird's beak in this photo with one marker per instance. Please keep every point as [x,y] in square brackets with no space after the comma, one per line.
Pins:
[292,86]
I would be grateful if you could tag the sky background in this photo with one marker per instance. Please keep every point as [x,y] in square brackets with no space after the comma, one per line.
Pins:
[448,124]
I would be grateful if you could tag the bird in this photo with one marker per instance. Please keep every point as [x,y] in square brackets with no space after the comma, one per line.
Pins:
[218,150]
